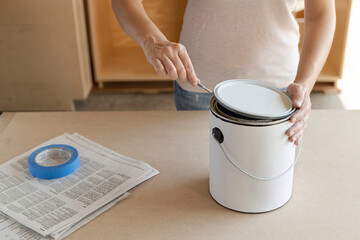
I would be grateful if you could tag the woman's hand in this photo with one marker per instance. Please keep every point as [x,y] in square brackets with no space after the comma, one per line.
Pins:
[301,100]
[172,59]
[167,57]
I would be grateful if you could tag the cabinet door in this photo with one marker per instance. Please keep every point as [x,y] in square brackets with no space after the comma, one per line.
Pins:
[44,56]
[117,57]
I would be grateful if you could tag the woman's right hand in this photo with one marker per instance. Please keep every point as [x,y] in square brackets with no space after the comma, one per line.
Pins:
[170,58]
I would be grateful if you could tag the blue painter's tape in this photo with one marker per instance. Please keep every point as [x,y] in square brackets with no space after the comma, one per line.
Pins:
[43,162]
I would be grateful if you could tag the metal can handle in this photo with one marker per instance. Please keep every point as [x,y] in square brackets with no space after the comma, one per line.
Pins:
[215,135]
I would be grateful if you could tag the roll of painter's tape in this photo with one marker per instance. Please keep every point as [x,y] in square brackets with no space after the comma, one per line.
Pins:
[53,161]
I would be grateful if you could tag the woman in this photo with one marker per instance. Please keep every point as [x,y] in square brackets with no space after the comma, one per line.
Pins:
[251,39]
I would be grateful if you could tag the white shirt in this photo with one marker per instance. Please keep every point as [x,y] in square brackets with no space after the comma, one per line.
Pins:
[249,39]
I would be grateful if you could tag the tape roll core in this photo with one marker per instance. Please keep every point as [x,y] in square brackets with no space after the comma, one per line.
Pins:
[53,161]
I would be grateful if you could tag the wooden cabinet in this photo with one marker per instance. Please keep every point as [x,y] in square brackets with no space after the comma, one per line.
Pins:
[116,57]
[44,54]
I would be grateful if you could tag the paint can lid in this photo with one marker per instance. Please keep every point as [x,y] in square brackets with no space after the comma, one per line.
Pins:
[254,99]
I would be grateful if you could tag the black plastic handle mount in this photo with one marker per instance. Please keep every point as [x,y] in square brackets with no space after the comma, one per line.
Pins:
[217,134]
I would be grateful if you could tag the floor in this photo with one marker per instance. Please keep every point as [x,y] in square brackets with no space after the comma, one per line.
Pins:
[349,98]
[127,102]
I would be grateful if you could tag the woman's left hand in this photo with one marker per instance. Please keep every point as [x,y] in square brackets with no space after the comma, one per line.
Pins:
[301,100]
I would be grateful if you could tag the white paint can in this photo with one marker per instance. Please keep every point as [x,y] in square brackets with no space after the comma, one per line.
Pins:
[251,160]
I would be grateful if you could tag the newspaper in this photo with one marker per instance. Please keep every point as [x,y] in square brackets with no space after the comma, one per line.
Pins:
[11,230]
[52,207]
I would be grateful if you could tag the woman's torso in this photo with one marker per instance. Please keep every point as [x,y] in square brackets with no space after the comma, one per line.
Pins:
[252,39]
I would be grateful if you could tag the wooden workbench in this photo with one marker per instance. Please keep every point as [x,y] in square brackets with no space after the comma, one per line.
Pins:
[176,204]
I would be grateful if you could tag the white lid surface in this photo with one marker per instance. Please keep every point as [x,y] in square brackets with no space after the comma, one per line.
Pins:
[253,99]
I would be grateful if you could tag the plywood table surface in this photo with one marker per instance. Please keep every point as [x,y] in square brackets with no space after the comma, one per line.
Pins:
[176,204]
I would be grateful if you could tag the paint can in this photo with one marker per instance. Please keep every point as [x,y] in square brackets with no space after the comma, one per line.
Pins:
[251,159]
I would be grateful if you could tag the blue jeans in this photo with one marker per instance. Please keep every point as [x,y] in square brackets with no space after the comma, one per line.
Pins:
[186,100]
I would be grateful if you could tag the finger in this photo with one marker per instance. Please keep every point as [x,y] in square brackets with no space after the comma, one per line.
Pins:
[298,141]
[297,137]
[297,101]
[159,67]
[191,76]
[181,72]
[297,96]
[170,68]
[296,127]
[302,112]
